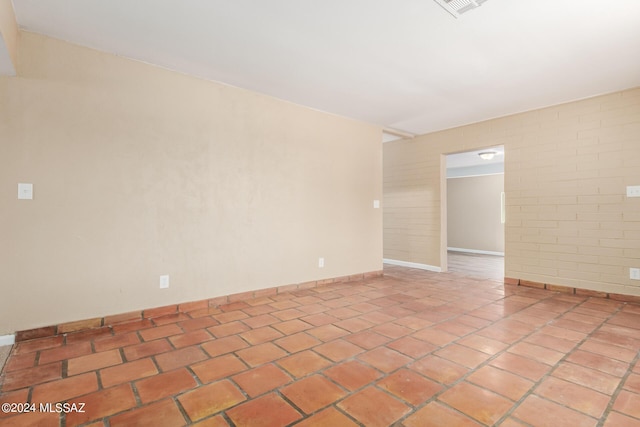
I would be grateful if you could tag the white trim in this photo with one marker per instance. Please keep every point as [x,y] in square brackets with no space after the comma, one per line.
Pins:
[413,265]
[475,175]
[400,133]
[7,340]
[475,251]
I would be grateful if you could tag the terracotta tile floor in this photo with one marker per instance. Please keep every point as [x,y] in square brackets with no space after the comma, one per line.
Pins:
[413,348]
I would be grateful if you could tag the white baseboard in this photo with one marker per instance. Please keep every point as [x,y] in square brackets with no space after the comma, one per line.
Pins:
[413,265]
[7,340]
[475,251]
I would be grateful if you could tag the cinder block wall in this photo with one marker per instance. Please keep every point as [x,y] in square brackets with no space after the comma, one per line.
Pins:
[569,221]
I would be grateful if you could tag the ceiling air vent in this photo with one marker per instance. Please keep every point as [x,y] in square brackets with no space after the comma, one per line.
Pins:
[458,7]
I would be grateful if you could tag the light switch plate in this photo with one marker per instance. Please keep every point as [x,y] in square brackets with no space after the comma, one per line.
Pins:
[376,204]
[25,191]
[164,281]
[633,191]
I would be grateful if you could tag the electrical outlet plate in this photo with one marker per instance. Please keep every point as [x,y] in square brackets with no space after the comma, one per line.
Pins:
[634,273]
[376,204]
[25,191]
[164,281]
[633,191]
[320,262]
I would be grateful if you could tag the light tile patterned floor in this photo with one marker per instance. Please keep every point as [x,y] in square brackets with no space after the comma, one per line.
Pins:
[413,348]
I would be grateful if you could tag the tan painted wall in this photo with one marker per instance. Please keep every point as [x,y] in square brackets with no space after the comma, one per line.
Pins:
[566,168]
[9,30]
[473,213]
[139,171]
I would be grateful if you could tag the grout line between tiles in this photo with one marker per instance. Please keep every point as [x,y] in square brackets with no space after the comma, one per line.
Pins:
[188,419]
[489,360]
[618,389]
[555,366]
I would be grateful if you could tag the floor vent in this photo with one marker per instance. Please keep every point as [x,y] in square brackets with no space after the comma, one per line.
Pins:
[458,7]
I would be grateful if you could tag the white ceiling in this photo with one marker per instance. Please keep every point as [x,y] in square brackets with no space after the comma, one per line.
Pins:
[407,65]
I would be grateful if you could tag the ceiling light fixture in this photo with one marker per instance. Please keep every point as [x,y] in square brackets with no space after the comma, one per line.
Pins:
[487,155]
[458,7]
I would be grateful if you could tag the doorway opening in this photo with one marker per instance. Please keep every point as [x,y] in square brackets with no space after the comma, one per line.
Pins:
[474,213]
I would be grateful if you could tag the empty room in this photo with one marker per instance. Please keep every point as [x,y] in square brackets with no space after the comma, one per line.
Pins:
[338,213]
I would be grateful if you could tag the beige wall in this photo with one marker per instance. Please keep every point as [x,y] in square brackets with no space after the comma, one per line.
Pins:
[139,171]
[566,168]
[474,213]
